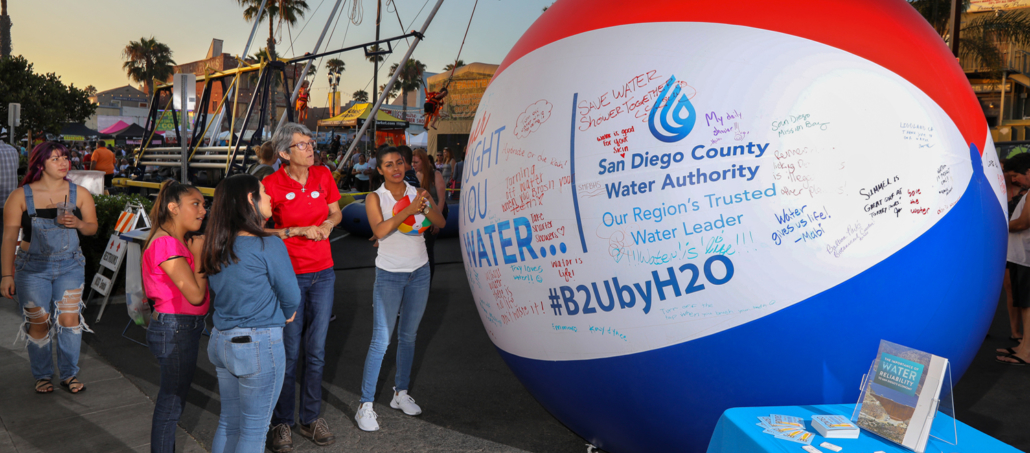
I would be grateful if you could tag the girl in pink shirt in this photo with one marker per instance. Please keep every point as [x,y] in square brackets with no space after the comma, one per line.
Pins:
[179,291]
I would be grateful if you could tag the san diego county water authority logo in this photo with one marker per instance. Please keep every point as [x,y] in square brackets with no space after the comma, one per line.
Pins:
[677,115]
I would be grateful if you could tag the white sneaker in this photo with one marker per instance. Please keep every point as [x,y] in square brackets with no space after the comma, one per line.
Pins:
[401,400]
[366,418]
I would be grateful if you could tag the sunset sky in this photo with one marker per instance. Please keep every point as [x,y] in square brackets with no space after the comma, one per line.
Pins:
[82,41]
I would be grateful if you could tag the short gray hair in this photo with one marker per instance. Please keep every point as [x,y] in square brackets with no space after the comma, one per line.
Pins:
[283,137]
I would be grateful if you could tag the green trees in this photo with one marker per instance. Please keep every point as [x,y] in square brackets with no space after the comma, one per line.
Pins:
[410,78]
[147,60]
[360,96]
[46,102]
[277,10]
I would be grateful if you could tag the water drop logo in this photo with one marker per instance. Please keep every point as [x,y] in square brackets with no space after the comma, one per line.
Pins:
[674,121]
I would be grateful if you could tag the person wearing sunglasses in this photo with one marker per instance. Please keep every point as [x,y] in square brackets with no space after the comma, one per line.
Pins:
[304,210]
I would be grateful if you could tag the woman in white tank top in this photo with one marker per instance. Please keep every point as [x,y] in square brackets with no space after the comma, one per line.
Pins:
[398,214]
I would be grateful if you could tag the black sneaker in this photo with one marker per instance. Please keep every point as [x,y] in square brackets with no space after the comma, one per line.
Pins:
[280,439]
[318,432]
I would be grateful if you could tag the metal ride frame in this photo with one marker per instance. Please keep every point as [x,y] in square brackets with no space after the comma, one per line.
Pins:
[264,92]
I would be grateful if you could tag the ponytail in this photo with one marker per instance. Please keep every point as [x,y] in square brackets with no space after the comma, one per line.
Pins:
[171,192]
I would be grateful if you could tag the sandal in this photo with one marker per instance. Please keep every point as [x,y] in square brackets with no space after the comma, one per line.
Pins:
[44,386]
[73,381]
[1018,361]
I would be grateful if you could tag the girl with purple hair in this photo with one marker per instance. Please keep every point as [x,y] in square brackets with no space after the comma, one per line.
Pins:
[47,276]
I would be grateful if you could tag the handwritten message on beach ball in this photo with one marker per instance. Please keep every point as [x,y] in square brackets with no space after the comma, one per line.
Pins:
[670,209]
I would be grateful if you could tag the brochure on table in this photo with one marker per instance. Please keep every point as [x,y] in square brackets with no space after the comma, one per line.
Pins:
[901,395]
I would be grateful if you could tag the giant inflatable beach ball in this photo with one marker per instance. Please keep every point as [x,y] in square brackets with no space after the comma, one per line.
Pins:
[672,208]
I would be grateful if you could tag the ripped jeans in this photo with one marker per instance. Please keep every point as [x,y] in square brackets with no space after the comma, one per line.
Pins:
[53,283]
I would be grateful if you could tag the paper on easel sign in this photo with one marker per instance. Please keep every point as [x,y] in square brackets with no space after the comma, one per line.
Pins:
[113,253]
[135,299]
[101,284]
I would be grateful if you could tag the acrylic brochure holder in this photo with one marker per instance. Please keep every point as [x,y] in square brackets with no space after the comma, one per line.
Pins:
[944,429]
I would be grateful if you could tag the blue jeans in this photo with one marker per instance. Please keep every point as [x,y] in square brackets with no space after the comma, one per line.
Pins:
[175,341]
[406,293]
[54,284]
[250,376]
[309,328]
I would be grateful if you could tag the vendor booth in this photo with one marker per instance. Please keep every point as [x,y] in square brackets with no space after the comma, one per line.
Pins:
[132,135]
[115,128]
[389,129]
[77,132]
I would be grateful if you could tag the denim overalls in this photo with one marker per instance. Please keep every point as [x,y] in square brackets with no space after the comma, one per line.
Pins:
[51,275]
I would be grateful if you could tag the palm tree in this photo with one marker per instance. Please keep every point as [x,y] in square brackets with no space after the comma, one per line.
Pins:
[452,66]
[360,96]
[374,58]
[410,78]
[985,40]
[147,60]
[283,10]
[335,65]
[983,37]
[263,54]
[90,90]
[394,91]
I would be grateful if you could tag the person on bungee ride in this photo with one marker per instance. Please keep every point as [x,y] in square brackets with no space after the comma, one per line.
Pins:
[434,101]
[302,103]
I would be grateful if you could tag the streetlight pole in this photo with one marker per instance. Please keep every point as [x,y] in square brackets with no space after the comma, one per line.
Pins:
[336,85]
[332,103]
[334,82]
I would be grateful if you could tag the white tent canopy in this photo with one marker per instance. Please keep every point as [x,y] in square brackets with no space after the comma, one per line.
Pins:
[417,140]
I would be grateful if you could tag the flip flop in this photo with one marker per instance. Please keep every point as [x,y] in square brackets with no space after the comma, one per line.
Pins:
[72,381]
[1007,351]
[44,386]
[1019,361]
[1017,340]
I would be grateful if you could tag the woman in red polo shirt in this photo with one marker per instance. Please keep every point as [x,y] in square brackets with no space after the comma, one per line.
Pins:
[305,210]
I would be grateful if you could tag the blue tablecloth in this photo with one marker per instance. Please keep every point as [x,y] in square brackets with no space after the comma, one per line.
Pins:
[737,432]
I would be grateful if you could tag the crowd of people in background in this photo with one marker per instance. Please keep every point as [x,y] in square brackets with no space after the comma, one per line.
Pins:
[356,173]
[261,266]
